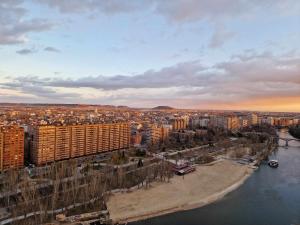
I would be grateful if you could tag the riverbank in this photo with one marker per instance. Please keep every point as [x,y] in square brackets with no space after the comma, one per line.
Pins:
[295,132]
[206,185]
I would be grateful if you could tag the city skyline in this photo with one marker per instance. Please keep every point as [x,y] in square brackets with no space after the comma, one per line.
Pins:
[237,55]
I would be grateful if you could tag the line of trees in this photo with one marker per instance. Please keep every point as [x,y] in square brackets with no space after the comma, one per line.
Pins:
[65,187]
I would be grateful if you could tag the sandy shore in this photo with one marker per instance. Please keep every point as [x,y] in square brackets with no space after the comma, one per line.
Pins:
[207,184]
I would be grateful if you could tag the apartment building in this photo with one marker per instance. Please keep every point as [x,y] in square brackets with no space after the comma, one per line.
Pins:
[156,134]
[43,144]
[244,122]
[62,142]
[91,139]
[253,119]
[136,139]
[226,122]
[78,133]
[53,143]
[197,122]
[153,134]
[179,123]
[11,147]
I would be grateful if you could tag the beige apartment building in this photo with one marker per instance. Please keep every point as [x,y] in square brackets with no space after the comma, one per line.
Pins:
[11,147]
[43,144]
[179,123]
[156,134]
[253,119]
[53,143]
[226,122]
[91,139]
[62,143]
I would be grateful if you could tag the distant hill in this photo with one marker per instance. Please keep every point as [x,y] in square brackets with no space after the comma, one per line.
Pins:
[162,107]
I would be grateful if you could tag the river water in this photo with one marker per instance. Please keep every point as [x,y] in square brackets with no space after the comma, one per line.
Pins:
[269,197]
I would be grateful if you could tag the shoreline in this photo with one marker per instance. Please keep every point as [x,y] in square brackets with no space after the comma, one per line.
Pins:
[186,204]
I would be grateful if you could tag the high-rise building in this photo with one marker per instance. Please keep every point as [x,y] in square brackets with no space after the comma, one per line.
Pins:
[62,142]
[204,122]
[253,119]
[226,122]
[124,135]
[270,120]
[42,144]
[166,129]
[136,138]
[11,147]
[53,143]
[179,123]
[235,123]
[153,134]
[156,134]
[104,133]
[92,139]
[77,140]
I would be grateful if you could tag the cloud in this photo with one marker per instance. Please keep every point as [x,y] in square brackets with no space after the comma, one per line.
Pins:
[175,10]
[25,51]
[14,28]
[263,67]
[194,10]
[106,7]
[184,73]
[52,49]
[220,36]
[248,76]
[37,91]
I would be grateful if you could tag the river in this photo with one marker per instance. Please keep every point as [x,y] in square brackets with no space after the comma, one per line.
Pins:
[269,197]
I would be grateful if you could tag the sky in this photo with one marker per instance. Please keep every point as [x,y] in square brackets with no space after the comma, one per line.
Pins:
[196,54]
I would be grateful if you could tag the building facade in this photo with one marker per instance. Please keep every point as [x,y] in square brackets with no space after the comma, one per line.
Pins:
[11,147]
[156,134]
[136,139]
[226,122]
[54,143]
[253,119]
[179,123]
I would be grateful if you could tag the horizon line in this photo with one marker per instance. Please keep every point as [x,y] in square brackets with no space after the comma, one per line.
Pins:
[141,108]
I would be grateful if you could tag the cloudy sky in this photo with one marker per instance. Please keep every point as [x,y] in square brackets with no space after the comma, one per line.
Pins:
[204,54]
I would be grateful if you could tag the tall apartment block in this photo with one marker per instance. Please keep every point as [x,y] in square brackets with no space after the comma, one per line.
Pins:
[156,134]
[91,139]
[53,143]
[253,119]
[78,134]
[179,123]
[43,144]
[11,147]
[226,122]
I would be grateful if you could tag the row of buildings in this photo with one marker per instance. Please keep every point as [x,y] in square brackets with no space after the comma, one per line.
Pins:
[50,143]
[53,143]
[226,122]
[284,122]
[155,133]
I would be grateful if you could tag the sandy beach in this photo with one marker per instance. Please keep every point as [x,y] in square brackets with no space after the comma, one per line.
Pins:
[206,185]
